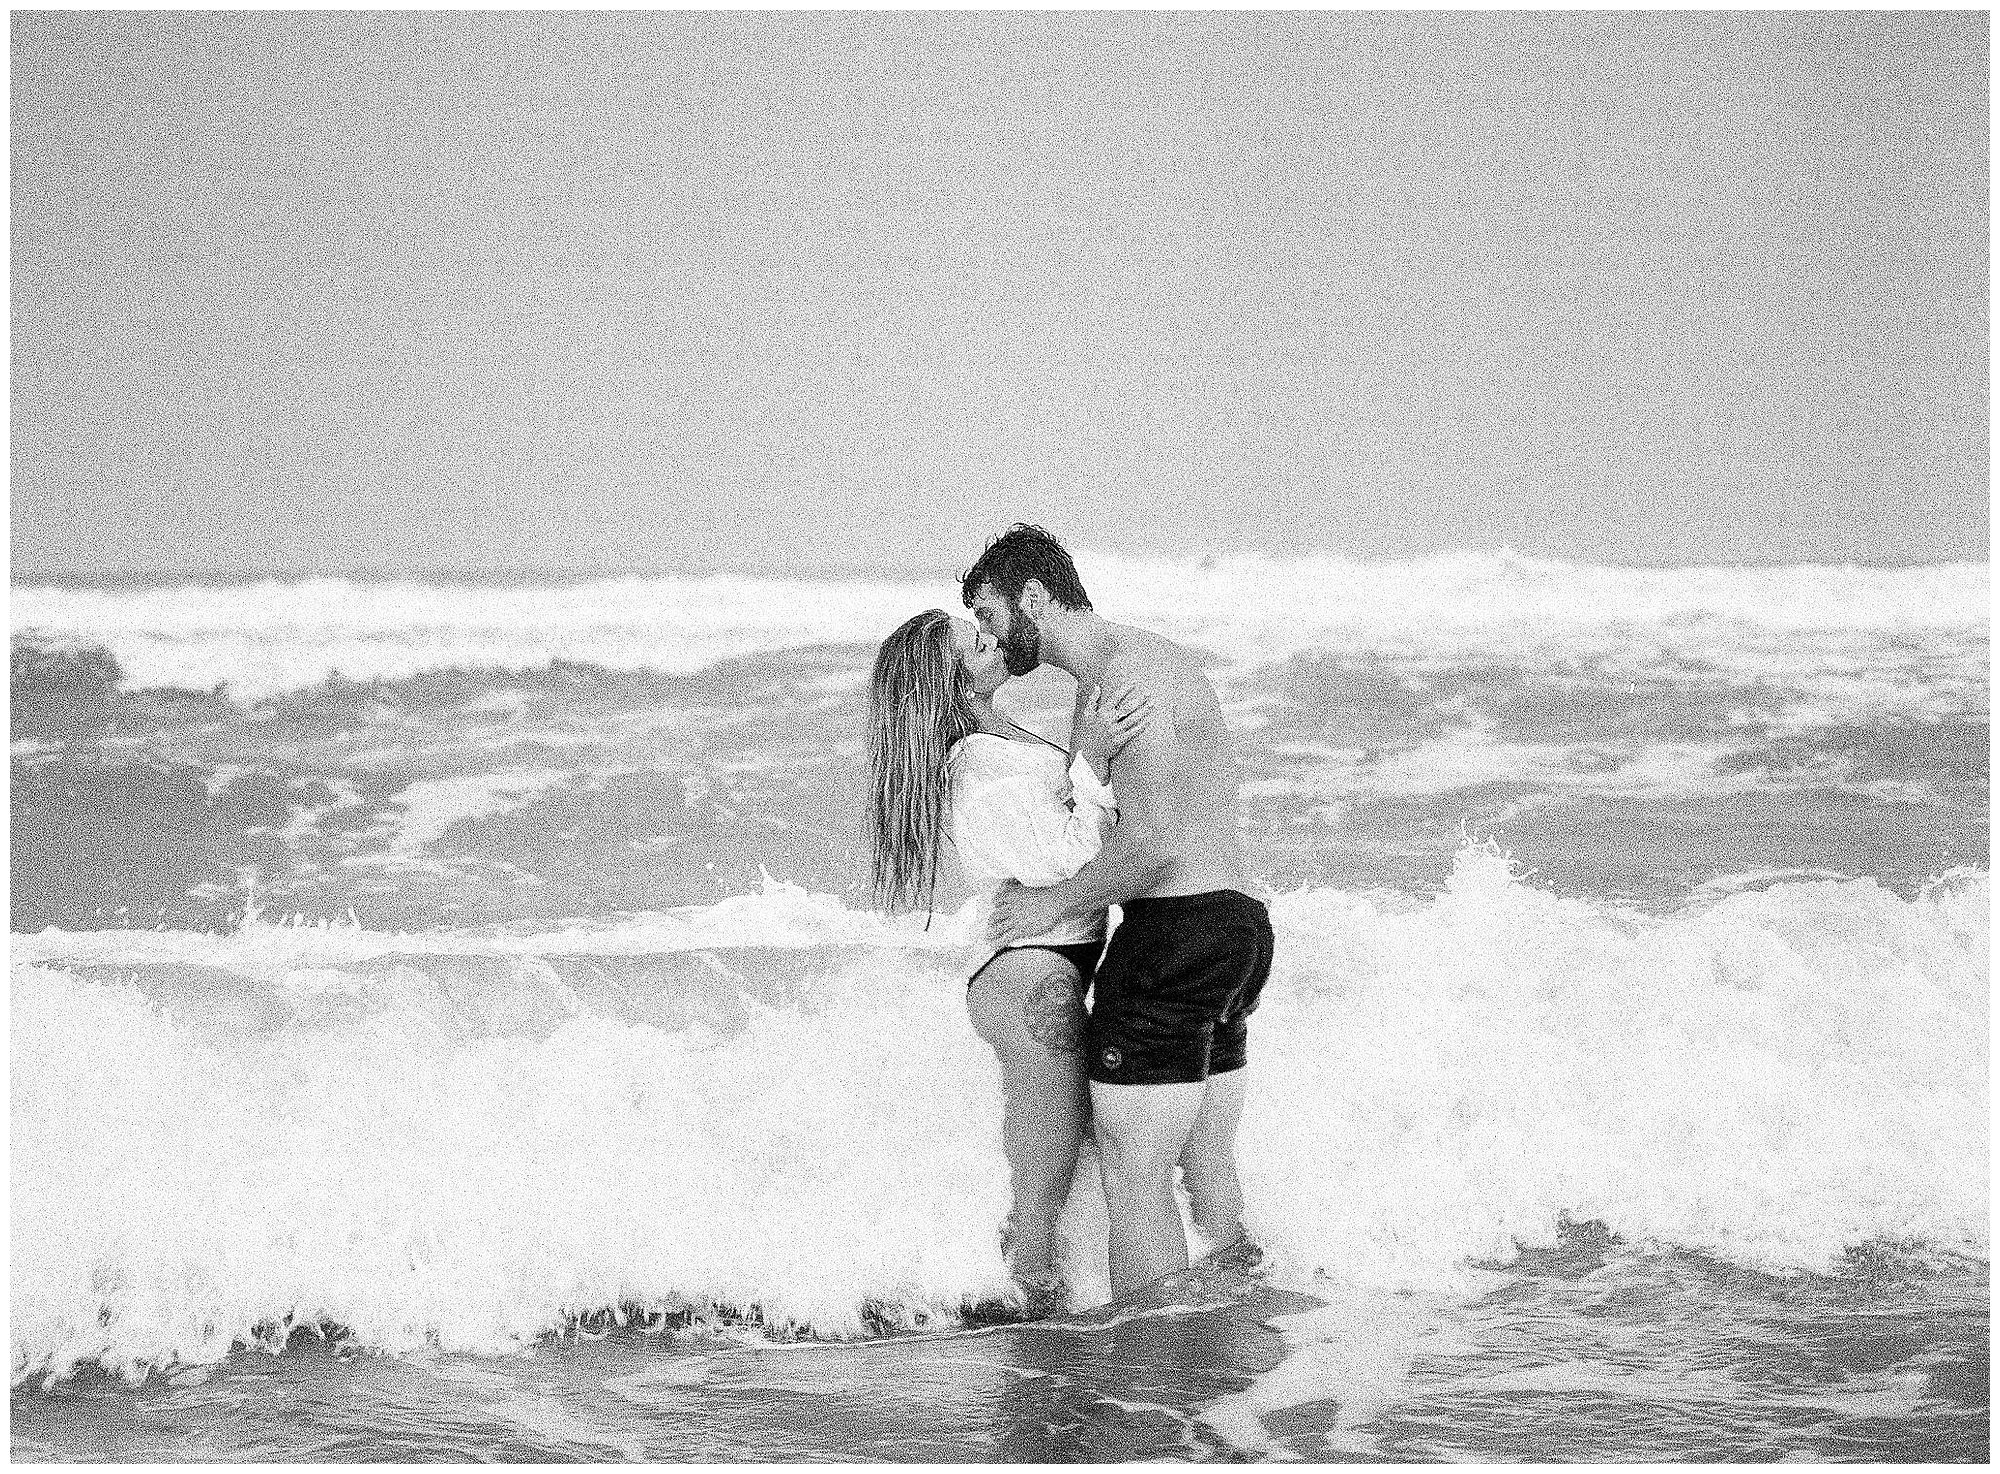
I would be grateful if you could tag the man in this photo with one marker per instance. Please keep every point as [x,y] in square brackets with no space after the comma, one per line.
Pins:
[1167,1032]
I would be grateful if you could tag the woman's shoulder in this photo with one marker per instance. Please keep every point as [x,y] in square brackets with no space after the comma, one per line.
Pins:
[990,752]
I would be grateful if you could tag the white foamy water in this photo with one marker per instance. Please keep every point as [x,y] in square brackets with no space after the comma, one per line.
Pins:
[1773,1077]
[300,1123]
[434,805]
[1835,631]
[362,1161]
[779,914]
[1471,758]
[1358,1349]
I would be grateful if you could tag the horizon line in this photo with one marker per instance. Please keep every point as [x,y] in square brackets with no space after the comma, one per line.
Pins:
[244,574]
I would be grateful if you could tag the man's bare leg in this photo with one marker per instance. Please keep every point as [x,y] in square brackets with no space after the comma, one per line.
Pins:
[1208,1161]
[1141,1132]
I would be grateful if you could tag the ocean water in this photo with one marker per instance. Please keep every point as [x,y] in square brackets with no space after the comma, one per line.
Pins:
[446,1022]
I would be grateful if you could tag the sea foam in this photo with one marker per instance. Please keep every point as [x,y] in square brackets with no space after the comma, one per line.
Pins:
[1802,624]
[468,1138]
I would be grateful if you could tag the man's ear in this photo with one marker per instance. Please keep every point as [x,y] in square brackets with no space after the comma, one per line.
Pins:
[1034,598]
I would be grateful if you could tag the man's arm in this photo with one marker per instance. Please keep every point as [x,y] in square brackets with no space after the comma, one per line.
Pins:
[1143,842]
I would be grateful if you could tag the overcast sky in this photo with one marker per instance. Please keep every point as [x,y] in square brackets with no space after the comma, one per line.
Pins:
[582,293]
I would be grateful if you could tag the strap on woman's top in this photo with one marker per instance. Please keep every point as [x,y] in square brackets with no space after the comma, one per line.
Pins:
[1036,735]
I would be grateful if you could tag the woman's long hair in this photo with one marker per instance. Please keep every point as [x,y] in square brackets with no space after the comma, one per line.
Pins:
[919,704]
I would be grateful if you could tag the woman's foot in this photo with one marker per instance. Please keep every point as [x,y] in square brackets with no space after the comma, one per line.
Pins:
[1035,1298]
[1044,1295]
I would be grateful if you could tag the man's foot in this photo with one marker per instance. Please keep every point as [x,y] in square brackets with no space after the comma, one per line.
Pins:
[1240,1255]
[1214,1278]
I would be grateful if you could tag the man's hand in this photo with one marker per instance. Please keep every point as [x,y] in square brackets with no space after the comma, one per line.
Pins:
[1021,911]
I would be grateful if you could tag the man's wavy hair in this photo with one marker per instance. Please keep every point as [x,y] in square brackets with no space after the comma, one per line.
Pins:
[1022,552]
[919,704]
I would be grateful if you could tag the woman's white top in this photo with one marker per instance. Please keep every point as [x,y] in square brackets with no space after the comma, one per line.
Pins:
[1010,820]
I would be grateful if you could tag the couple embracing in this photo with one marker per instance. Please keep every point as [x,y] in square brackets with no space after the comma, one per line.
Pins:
[1141,813]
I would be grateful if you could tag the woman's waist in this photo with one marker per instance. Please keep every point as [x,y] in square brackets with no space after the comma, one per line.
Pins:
[1091,928]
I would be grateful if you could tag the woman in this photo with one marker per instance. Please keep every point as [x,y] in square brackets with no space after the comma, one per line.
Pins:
[943,762]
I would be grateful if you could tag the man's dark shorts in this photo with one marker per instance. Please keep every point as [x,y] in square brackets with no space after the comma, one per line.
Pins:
[1174,993]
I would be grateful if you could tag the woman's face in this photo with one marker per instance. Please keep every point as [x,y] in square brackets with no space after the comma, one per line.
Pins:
[980,655]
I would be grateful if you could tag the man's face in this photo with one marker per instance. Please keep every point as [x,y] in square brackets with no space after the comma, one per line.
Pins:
[1019,636]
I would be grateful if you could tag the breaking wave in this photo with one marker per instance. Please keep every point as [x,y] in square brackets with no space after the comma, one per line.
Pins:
[469,1138]
[1802,623]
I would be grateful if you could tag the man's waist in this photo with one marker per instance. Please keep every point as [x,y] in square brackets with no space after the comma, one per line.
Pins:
[1197,879]
[1222,896]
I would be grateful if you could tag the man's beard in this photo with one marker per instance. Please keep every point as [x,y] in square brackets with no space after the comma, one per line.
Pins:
[1021,646]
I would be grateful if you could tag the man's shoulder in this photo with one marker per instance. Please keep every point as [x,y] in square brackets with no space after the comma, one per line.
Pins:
[1143,655]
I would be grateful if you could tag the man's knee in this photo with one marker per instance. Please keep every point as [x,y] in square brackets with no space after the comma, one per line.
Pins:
[1208,1161]
[1130,1155]
[1207,1153]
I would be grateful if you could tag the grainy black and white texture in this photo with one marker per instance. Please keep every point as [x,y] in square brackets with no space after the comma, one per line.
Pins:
[586,292]
[463,464]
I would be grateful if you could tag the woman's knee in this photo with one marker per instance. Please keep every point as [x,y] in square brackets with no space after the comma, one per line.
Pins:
[1044,1105]
[1042,1200]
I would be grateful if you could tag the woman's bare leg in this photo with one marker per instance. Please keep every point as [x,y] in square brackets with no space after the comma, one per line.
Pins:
[1028,1005]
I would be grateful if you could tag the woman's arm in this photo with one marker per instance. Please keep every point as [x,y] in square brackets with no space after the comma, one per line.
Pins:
[1105,723]
[1009,824]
